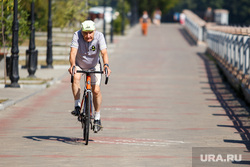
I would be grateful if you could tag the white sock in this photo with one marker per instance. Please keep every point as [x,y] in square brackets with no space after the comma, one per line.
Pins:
[77,103]
[97,115]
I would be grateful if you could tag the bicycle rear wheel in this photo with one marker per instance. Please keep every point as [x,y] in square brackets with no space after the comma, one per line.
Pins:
[87,118]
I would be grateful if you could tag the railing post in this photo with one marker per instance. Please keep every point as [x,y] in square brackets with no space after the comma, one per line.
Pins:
[236,45]
[224,45]
[245,53]
[240,52]
[248,51]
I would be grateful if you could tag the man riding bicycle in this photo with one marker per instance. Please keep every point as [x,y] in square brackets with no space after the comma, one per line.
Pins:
[86,45]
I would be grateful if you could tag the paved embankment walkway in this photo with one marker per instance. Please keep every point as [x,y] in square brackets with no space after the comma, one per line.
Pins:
[163,99]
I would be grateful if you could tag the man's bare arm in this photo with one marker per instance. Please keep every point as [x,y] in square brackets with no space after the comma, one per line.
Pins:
[72,58]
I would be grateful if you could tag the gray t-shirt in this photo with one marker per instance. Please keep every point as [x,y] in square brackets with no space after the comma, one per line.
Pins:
[88,52]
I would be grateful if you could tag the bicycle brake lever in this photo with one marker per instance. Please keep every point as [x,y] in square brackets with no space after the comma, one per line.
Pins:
[72,74]
[106,75]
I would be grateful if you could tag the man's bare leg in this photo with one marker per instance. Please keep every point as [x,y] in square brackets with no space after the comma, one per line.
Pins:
[97,98]
[76,90]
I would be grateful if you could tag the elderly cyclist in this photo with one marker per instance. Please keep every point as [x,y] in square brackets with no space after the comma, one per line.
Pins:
[87,43]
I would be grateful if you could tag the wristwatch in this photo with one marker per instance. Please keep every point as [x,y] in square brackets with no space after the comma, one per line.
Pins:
[106,65]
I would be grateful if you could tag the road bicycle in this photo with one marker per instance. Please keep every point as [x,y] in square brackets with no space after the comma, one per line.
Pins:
[86,114]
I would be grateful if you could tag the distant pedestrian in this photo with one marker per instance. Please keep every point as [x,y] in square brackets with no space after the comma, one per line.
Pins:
[208,15]
[176,16]
[145,21]
[157,17]
[182,18]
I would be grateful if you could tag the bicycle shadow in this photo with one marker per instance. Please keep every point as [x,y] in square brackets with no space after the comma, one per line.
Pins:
[67,140]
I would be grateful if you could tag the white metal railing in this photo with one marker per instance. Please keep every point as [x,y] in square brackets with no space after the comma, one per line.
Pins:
[231,48]
[231,44]
[195,25]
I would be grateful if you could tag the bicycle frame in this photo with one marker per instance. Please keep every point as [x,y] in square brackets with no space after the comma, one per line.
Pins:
[87,90]
[87,104]
[86,108]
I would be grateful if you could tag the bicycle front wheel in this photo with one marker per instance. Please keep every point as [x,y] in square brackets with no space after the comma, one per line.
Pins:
[87,118]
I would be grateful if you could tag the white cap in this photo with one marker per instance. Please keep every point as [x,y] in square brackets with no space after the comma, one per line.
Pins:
[88,25]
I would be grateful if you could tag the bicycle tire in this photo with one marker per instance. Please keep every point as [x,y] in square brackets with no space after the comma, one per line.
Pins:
[87,118]
[82,116]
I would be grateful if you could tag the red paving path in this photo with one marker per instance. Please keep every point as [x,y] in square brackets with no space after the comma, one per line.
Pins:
[158,106]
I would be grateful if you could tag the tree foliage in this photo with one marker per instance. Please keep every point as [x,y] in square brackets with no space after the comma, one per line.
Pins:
[6,18]
[151,6]
[121,6]
[239,10]
[41,12]
[64,12]
[69,12]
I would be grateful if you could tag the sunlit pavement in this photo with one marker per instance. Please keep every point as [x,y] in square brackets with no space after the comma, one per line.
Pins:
[163,99]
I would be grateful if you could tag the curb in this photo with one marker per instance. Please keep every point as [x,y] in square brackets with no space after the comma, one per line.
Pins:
[6,104]
[42,87]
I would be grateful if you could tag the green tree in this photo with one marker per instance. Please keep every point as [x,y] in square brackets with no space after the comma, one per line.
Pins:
[7,19]
[239,10]
[122,6]
[185,4]
[151,6]
[70,12]
[41,12]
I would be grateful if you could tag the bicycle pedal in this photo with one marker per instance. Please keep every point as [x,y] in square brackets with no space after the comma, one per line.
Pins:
[79,118]
[91,125]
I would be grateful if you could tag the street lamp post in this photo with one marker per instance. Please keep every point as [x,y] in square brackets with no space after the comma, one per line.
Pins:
[32,52]
[123,17]
[134,15]
[111,27]
[14,73]
[112,23]
[49,58]
[104,20]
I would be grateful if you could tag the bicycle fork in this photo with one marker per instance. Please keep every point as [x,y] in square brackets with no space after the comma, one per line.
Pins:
[87,94]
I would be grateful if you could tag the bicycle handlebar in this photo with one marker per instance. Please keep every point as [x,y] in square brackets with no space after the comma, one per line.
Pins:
[88,72]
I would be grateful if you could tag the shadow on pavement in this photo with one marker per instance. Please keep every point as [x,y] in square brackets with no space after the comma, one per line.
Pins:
[235,108]
[187,37]
[241,162]
[68,140]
